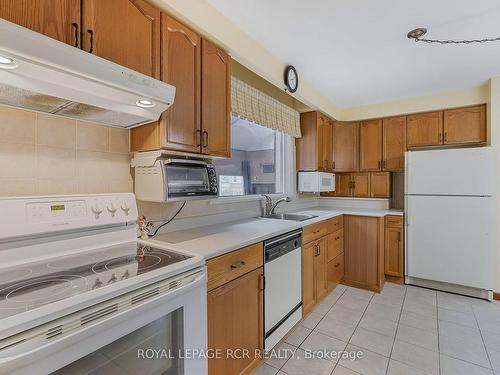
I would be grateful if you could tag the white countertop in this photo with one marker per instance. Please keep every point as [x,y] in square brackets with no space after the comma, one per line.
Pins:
[214,240]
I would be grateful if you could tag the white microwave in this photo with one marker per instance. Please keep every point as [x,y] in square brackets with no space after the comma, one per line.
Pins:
[316,182]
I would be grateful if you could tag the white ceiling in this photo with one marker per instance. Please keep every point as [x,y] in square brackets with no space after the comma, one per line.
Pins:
[248,136]
[356,52]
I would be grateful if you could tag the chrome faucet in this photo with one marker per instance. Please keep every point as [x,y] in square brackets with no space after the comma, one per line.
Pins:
[270,206]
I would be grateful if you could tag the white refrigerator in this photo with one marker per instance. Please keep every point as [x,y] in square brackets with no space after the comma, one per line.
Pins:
[449,220]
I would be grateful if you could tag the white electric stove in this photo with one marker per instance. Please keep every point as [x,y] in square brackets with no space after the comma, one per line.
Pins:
[79,292]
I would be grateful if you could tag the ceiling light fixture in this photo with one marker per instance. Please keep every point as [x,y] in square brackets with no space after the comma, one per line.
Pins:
[7,63]
[418,33]
[145,103]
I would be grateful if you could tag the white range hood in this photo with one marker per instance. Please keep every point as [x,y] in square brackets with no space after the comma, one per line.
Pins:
[41,74]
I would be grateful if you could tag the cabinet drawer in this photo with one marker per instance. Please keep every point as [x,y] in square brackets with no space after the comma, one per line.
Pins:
[314,231]
[335,270]
[335,244]
[335,223]
[228,267]
[394,221]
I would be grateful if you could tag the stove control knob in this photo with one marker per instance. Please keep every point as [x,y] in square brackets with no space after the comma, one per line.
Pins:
[125,207]
[97,284]
[97,209]
[112,279]
[112,209]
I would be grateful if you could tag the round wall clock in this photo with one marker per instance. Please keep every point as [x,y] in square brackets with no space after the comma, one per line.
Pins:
[291,79]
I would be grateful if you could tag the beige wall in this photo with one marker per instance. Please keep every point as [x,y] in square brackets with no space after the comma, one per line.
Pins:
[43,155]
[249,77]
[446,99]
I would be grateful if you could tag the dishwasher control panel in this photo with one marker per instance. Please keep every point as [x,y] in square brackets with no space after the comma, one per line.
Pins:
[281,245]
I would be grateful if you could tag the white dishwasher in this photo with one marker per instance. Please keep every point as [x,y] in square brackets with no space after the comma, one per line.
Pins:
[283,288]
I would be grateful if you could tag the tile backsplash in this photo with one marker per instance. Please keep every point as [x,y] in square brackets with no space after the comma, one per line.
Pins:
[44,155]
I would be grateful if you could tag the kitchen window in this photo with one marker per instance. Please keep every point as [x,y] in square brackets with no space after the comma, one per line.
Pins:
[256,165]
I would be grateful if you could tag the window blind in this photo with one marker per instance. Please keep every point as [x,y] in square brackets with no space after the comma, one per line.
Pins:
[252,104]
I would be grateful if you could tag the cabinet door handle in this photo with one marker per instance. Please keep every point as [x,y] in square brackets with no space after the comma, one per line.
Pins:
[237,265]
[319,250]
[262,282]
[379,164]
[316,231]
[75,27]
[198,137]
[333,165]
[439,137]
[445,136]
[205,139]
[91,33]
[336,265]
[337,238]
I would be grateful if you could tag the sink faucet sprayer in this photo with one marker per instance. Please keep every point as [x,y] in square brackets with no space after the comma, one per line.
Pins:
[270,207]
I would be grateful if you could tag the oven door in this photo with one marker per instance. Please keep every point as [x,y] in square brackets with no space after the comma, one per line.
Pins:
[186,179]
[161,336]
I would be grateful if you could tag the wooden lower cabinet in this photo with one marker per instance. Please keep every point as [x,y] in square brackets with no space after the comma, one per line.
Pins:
[335,265]
[335,271]
[314,273]
[393,258]
[308,293]
[364,252]
[320,262]
[235,321]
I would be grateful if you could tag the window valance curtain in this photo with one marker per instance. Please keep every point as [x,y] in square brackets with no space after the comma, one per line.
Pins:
[251,104]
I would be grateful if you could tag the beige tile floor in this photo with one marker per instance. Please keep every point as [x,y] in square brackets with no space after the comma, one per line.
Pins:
[404,330]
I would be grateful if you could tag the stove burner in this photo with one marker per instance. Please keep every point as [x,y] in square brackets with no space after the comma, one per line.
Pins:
[43,290]
[15,274]
[144,262]
[71,261]
[45,282]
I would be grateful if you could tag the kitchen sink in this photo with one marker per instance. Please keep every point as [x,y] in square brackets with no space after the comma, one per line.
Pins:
[293,217]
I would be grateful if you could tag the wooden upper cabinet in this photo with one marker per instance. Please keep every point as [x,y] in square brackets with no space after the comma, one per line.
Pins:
[393,143]
[126,32]
[181,67]
[58,19]
[380,185]
[361,185]
[465,125]
[327,145]
[343,184]
[314,147]
[215,100]
[370,145]
[345,146]
[425,129]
